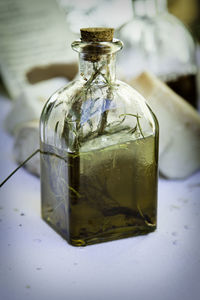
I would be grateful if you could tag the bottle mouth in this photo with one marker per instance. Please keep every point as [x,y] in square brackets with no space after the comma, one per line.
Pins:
[98,48]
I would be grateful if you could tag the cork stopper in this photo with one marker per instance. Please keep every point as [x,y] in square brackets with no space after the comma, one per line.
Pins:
[97,34]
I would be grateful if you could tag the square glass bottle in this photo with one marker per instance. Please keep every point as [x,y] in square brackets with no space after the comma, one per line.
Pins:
[99,151]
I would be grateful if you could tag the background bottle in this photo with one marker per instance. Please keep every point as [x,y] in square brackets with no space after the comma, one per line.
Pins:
[158,42]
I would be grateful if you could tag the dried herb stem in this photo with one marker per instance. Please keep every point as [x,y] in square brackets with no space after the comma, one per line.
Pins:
[137,125]
[107,78]
[21,165]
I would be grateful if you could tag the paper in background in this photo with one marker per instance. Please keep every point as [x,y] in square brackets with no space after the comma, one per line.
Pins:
[32,33]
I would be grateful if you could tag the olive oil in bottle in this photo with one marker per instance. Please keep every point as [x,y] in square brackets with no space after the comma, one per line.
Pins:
[111,191]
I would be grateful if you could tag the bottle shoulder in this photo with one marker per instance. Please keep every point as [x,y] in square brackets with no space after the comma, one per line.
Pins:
[62,94]
[77,114]
[119,92]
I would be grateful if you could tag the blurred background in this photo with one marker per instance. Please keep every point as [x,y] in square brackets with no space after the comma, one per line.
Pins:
[110,13]
[161,38]
[40,34]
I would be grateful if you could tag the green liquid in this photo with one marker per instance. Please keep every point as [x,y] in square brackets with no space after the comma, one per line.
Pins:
[100,195]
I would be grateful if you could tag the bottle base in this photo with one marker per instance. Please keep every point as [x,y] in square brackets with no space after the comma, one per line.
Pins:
[111,235]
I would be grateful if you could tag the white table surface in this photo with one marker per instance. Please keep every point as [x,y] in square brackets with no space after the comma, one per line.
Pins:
[36,263]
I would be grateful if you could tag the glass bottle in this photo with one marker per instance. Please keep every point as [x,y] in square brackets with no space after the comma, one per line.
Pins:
[99,151]
[158,42]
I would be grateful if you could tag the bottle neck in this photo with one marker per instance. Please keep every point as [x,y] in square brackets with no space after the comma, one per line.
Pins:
[148,8]
[98,69]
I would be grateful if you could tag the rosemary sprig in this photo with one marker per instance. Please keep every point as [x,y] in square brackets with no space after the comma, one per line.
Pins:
[21,165]
[138,123]
[76,107]
[107,79]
